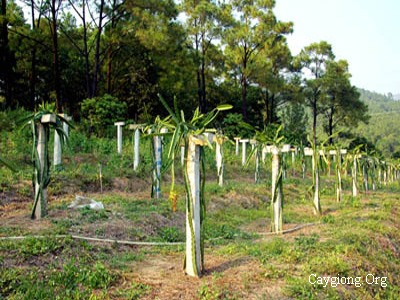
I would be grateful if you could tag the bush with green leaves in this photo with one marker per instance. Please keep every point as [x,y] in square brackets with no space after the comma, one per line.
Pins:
[102,112]
[232,126]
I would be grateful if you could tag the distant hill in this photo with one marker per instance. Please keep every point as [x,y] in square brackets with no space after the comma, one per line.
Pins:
[384,126]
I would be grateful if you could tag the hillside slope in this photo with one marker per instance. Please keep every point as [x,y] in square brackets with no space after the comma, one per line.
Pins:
[383,128]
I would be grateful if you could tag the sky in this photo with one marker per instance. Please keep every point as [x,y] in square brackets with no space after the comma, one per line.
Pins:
[364,32]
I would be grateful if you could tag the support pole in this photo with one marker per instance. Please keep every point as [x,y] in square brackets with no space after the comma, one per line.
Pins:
[193,250]
[136,146]
[57,142]
[256,175]
[57,150]
[119,136]
[219,154]
[244,151]
[276,201]
[365,178]
[293,164]
[41,206]
[157,170]
[237,139]
[136,150]
[355,189]
[317,204]
[339,190]
[182,155]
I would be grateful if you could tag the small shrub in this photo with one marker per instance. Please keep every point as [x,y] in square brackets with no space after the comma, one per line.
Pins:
[171,234]
[102,112]
[305,243]
[92,216]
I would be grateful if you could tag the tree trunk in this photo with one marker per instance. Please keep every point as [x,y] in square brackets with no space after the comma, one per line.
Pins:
[109,55]
[315,121]
[266,103]
[32,87]
[6,59]
[244,90]
[272,115]
[330,125]
[97,55]
[203,85]
[85,51]
[199,93]
[56,67]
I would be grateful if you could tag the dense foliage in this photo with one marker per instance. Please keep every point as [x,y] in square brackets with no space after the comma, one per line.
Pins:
[118,55]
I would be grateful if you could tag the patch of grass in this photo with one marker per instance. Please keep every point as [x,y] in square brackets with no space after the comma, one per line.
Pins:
[71,282]
[31,247]
[301,288]
[171,234]
[214,291]
[92,216]
[306,243]
[135,291]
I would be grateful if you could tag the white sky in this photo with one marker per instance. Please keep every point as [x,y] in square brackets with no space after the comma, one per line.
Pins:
[364,32]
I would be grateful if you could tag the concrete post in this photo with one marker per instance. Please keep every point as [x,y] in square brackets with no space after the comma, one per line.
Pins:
[339,191]
[119,135]
[293,163]
[365,178]
[317,205]
[385,176]
[256,175]
[244,151]
[237,139]
[57,150]
[136,150]
[285,149]
[263,153]
[136,146]
[355,189]
[219,154]
[276,200]
[157,170]
[163,130]
[182,155]
[57,142]
[380,177]
[253,144]
[41,206]
[193,250]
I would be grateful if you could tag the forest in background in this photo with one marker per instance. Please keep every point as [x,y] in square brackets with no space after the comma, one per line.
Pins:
[109,60]
[382,129]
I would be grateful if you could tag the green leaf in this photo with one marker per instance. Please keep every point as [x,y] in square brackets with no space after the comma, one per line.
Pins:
[224,107]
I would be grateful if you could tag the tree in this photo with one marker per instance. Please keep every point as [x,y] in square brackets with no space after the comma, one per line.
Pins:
[52,17]
[343,105]
[314,59]
[273,72]
[6,58]
[255,29]
[206,22]
[295,120]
